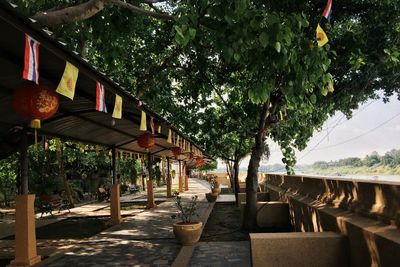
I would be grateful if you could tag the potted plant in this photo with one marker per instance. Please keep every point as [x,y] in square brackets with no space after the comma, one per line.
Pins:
[187,231]
[213,195]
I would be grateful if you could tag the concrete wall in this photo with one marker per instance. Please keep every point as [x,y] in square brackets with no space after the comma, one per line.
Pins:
[298,249]
[366,212]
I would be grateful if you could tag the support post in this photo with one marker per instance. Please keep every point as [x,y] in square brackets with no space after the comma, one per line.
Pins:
[150,192]
[186,176]
[180,177]
[115,206]
[143,180]
[169,182]
[25,230]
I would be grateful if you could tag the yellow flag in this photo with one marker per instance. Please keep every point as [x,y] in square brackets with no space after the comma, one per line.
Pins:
[159,129]
[143,123]
[169,140]
[66,87]
[177,141]
[117,113]
[322,39]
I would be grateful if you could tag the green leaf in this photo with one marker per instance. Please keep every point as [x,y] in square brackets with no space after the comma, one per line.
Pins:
[278,47]
[236,56]
[313,99]
[192,33]
[263,38]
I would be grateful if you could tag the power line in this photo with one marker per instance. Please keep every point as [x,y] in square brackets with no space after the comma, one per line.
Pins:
[346,141]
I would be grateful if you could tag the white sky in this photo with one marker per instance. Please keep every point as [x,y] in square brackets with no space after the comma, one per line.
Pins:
[372,114]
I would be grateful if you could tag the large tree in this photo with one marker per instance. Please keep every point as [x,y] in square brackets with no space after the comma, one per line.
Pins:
[188,50]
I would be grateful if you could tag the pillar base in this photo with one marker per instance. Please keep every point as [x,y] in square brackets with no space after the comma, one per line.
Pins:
[28,262]
[25,232]
[115,205]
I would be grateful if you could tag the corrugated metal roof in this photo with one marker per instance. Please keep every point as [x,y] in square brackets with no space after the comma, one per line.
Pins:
[77,119]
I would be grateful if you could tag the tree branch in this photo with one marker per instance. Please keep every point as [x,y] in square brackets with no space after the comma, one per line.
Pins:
[89,9]
[141,11]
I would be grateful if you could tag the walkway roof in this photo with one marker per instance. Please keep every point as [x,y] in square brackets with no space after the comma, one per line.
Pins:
[76,120]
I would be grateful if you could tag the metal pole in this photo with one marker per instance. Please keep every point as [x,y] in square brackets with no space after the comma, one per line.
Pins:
[169,182]
[23,153]
[114,171]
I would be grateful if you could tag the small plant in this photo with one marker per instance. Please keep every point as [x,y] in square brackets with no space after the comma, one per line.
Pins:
[186,211]
[212,180]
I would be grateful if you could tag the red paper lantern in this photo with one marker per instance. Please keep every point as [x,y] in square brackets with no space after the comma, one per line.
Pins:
[199,161]
[176,151]
[146,140]
[35,102]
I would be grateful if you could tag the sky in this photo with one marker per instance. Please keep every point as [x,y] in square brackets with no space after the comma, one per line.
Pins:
[375,126]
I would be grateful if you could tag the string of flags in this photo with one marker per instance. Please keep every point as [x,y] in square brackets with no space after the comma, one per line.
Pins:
[67,85]
[321,36]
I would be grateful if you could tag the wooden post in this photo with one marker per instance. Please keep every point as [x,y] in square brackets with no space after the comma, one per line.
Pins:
[115,205]
[180,177]
[186,177]
[24,163]
[150,192]
[25,231]
[169,182]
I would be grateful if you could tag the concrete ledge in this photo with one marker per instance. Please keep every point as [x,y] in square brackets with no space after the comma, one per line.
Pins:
[326,249]
[371,242]
[274,214]
[261,197]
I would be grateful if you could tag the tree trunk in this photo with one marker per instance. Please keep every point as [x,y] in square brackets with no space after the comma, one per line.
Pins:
[61,173]
[236,179]
[250,212]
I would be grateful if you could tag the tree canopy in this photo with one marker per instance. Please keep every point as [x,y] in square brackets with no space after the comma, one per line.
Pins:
[221,70]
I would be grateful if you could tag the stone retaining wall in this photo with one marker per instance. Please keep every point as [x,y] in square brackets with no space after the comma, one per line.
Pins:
[366,212]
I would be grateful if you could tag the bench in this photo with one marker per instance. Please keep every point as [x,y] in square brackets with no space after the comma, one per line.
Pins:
[48,203]
[133,189]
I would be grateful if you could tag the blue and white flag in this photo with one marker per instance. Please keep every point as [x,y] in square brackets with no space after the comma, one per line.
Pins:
[31,60]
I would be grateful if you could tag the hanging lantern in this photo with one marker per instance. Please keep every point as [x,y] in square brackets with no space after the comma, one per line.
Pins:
[176,150]
[36,103]
[199,161]
[146,140]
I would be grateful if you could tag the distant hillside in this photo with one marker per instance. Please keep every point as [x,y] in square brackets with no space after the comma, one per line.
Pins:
[387,164]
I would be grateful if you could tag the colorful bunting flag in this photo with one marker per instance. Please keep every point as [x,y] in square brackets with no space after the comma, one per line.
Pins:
[31,60]
[328,10]
[143,122]
[322,39]
[117,113]
[66,87]
[100,98]
[152,125]
[169,140]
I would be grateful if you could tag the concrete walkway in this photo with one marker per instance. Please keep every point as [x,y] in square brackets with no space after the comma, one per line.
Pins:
[143,240]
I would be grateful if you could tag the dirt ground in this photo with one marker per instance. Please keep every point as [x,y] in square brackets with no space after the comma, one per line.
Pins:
[224,224]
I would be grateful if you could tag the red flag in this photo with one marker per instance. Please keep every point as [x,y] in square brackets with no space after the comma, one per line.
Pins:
[152,125]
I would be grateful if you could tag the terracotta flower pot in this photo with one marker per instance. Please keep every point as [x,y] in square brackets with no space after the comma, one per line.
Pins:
[216,191]
[211,197]
[187,234]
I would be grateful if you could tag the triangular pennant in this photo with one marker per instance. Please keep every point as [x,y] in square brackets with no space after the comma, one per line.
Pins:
[143,123]
[66,87]
[169,140]
[117,113]
[322,39]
